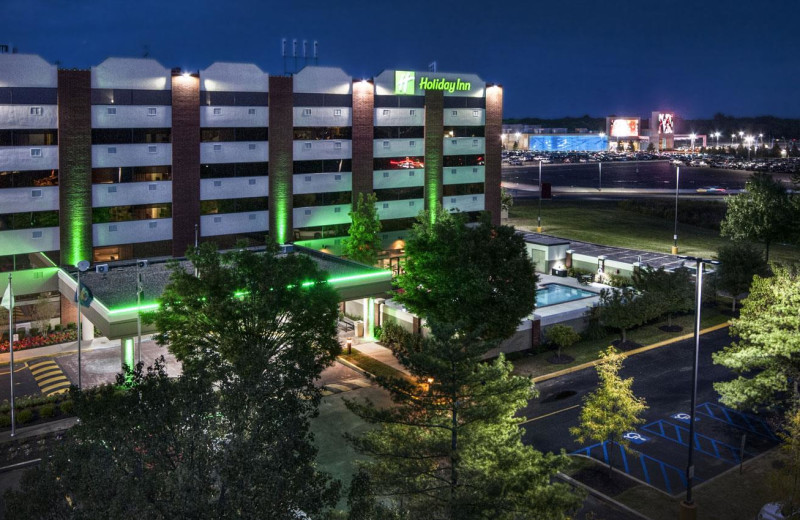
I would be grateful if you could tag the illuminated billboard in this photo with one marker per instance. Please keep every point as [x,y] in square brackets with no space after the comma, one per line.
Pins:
[568,143]
[624,127]
[666,124]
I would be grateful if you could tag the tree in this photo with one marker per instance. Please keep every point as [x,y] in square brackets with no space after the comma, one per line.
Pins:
[787,478]
[612,409]
[664,292]
[506,200]
[619,310]
[563,336]
[364,242]
[452,448]
[767,354]
[764,213]
[620,146]
[739,262]
[651,147]
[476,279]
[630,145]
[794,151]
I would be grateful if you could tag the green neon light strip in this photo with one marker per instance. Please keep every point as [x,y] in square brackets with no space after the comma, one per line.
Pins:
[239,294]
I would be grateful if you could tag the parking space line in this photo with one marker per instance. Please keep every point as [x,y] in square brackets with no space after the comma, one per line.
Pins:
[526,421]
[678,431]
[644,469]
[752,424]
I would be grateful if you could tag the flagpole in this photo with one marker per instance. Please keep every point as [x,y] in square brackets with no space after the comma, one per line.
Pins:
[11,351]
[78,300]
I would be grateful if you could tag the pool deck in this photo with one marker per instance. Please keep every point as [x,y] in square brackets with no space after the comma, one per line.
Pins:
[568,310]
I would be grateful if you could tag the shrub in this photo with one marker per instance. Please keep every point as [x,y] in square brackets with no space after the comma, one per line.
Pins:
[34,331]
[72,326]
[563,336]
[377,333]
[46,411]
[594,328]
[5,420]
[394,335]
[58,327]
[66,407]
[577,272]
[616,280]
[24,416]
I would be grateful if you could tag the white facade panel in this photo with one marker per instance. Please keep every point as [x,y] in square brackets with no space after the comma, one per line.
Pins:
[234,77]
[398,147]
[21,200]
[231,223]
[323,116]
[117,155]
[133,232]
[464,117]
[383,179]
[28,116]
[400,208]
[324,149]
[234,152]
[322,80]
[132,73]
[21,241]
[399,117]
[464,145]
[131,116]
[322,182]
[24,158]
[464,174]
[321,215]
[229,117]
[464,203]
[234,188]
[27,70]
[129,193]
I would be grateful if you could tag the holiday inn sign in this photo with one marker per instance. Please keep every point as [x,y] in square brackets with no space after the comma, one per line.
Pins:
[405,83]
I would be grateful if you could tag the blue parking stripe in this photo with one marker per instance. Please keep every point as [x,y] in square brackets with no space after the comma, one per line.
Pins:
[605,453]
[751,424]
[624,458]
[644,468]
[732,451]
[666,479]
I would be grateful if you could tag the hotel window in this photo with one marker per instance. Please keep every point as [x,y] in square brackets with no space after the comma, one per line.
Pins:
[386,112]
[251,111]
[307,146]
[217,111]
[455,113]
[36,152]
[412,144]
[386,145]
[337,146]
[151,111]
[152,149]
[306,111]
[112,111]
[337,111]
[36,111]
[412,112]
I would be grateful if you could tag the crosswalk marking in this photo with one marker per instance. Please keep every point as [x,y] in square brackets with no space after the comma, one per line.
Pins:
[345,386]
[50,378]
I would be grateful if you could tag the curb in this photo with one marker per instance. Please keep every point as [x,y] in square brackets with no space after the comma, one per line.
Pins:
[20,465]
[601,496]
[639,350]
[355,367]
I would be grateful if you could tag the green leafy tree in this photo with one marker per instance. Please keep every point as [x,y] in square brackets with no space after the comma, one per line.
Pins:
[563,336]
[452,448]
[612,409]
[620,309]
[651,147]
[739,262]
[474,279]
[364,242]
[786,480]
[764,213]
[506,200]
[664,292]
[767,353]
[794,152]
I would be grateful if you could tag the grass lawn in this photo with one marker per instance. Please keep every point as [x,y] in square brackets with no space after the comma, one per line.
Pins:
[371,365]
[602,222]
[588,350]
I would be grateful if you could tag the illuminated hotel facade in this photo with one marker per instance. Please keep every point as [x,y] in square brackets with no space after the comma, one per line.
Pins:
[133,160]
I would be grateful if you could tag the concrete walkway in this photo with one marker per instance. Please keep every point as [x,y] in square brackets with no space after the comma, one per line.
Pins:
[382,354]
[39,429]
[62,348]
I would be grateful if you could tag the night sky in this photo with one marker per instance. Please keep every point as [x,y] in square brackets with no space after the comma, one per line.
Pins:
[554,58]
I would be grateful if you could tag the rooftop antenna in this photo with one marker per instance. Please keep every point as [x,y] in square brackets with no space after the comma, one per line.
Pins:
[305,52]
[283,54]
[316,44]
[432,66]
[294,53]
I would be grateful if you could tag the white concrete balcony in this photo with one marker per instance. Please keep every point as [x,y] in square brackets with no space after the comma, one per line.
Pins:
[24,158]
[21,241]
[322,182]
[323,116]
[464,145]
[233,117]
[399,117]
[398,147]
[233,223]
[321,215]
[464,117]
[129,193]
[322,149]
[234,188]
[234,152]
[400,208]
[20,200]
[131,232]
[383,179]
[118,155]
[464,203]
[28,116]
[131,116]
[464,174]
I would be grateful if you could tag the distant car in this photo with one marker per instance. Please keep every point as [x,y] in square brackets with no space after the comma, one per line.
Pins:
[712,190]
[772,511]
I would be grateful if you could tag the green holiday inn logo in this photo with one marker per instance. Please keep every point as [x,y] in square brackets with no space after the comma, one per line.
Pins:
[404,82]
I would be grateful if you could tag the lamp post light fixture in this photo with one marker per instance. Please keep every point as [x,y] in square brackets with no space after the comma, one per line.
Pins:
[688,509]
[693,136]
[717,134]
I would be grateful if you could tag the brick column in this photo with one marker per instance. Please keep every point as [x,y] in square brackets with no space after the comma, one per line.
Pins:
[363,134]
[281,156]
[434,147]
[75,165]
[185,161]
[494,128]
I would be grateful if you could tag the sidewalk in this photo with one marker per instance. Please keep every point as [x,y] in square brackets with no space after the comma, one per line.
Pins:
[62,348]
[382,355]
[39,429]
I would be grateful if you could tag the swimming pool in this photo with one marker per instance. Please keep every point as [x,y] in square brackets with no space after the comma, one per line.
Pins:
[555,293]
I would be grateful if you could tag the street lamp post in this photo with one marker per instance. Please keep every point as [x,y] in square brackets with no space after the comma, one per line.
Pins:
[692,136]
[600,176]
[82,266]
[539,217]
[675,233]
[688,508]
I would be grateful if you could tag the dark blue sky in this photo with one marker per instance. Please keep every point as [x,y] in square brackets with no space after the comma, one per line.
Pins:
[554,58]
